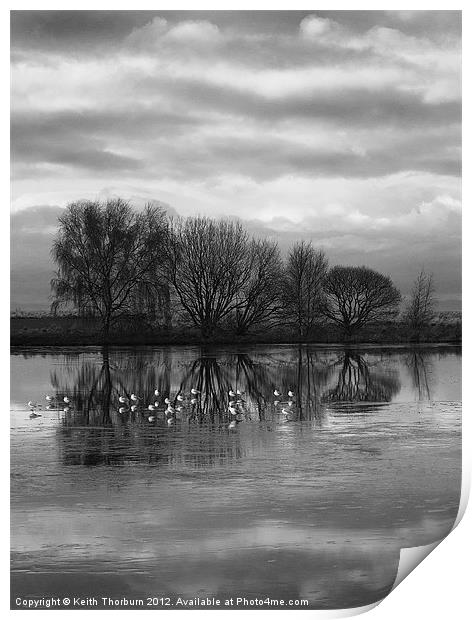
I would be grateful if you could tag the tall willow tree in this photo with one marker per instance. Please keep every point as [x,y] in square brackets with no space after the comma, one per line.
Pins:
[109,260]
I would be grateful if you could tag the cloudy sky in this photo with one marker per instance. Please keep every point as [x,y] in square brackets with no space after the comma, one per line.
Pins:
[341,127]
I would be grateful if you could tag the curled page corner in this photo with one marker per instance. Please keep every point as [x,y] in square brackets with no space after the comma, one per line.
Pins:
[356,611]
[465,493]
[335,614]
[410,557]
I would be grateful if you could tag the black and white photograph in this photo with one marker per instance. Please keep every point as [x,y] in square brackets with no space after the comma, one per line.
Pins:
[235,305]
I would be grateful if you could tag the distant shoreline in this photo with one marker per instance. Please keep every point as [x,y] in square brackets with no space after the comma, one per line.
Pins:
[74,332]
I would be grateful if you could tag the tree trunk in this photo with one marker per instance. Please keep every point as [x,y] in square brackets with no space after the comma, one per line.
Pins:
[166,302]
[106,329]
[207,330]
[241,330]
[348,332]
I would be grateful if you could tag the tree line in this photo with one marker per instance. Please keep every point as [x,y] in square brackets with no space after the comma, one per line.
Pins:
[114,263]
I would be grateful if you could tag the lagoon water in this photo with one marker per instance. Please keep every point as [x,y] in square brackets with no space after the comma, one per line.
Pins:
[311,497]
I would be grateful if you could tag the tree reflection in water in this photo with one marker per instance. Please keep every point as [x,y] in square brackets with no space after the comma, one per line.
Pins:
[94,388]
[357,382]
[420,369]
[255,378]
[98,429]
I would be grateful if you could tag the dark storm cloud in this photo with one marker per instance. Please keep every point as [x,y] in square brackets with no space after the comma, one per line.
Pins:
[358,107]
[64,154]
[59,29]
[134,124]
[77,139]
[270,159]
[72,31]
[274,159]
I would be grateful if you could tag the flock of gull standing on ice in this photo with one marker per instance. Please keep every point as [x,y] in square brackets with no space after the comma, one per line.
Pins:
[134,404]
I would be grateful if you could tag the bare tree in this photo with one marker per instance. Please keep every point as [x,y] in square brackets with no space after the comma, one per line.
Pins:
[420,311]
[303,287]
[109,258]
[208,266]
[259,297]
[420,369]
[355,296]
[357,382]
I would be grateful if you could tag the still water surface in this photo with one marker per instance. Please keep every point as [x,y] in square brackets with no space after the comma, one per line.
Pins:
[310,496]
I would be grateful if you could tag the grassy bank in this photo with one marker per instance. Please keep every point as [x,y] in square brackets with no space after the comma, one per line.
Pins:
[71,331]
